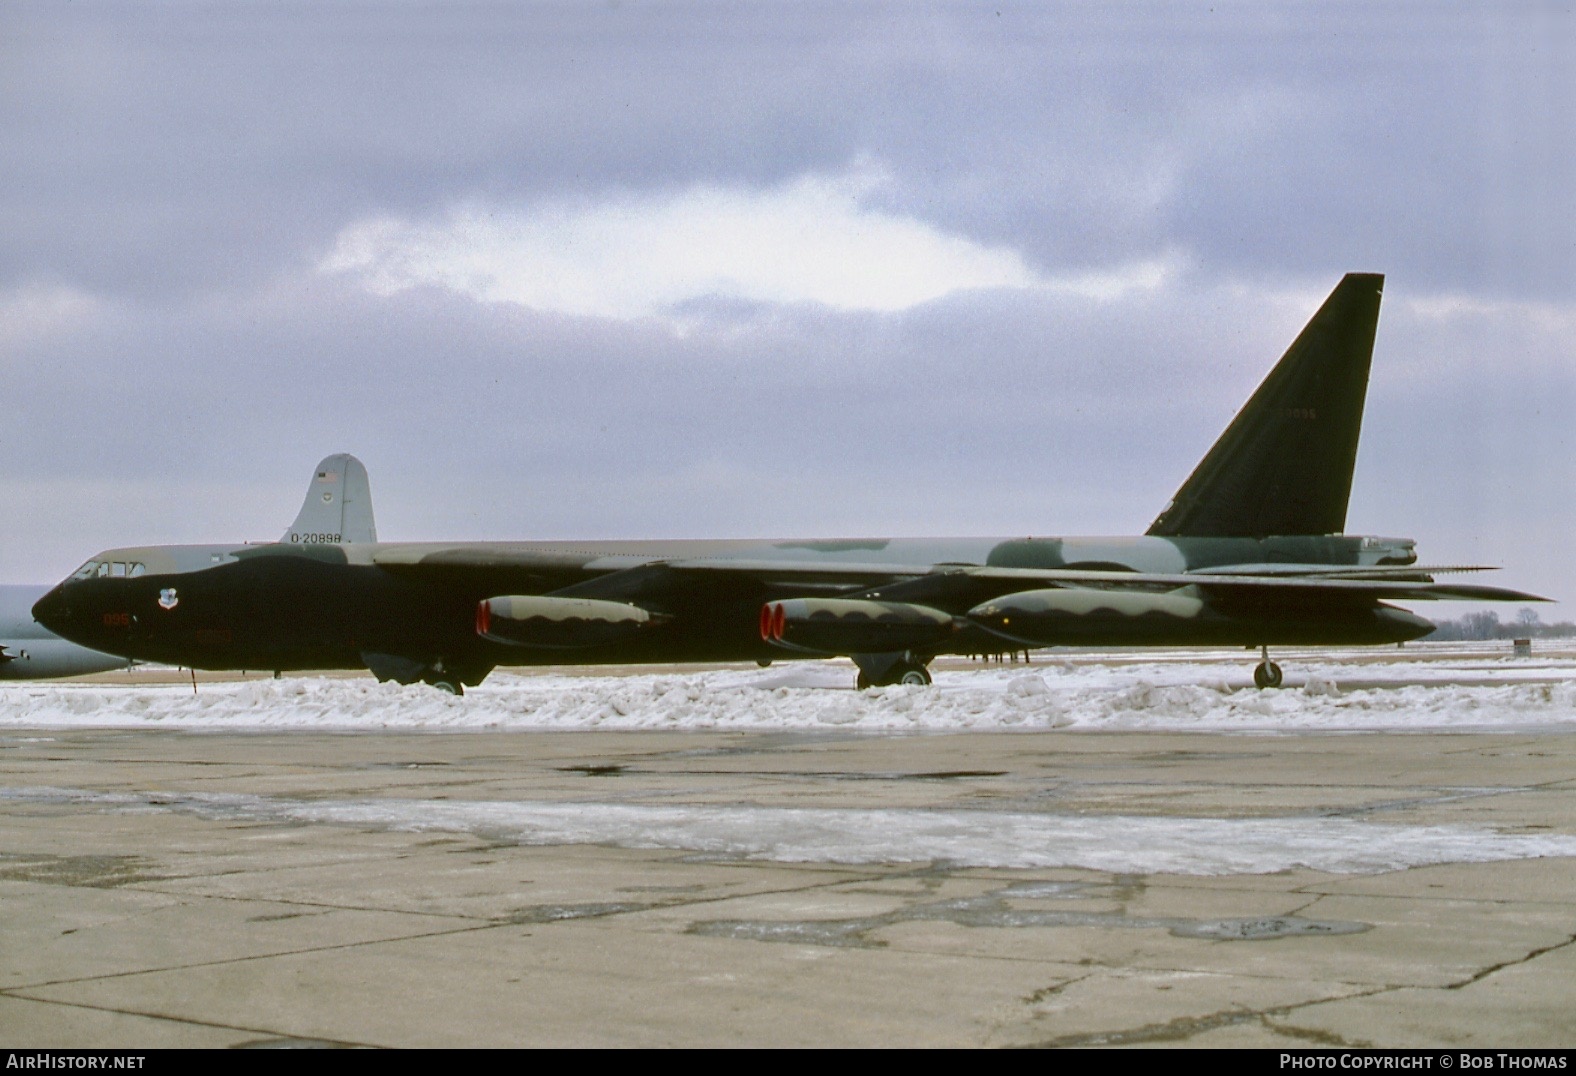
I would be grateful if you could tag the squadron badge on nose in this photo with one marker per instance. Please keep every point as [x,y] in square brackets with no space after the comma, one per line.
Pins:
[168,599]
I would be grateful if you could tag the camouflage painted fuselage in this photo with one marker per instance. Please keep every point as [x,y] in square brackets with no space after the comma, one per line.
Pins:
[347,606]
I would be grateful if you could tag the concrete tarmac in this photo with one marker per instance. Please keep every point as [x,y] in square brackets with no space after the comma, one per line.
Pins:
[142,908]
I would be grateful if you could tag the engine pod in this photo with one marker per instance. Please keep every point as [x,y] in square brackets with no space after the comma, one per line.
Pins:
[559,623]
[1087,616]
[853,625]
[1073,614]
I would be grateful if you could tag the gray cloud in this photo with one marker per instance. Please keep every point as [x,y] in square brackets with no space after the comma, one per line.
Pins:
[156,147]
[171,174]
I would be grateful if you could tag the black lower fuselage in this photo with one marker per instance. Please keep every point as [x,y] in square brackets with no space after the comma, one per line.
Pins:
[283,608]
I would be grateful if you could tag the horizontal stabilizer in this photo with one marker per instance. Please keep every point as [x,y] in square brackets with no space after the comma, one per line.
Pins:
[1413,573]
[1315,587]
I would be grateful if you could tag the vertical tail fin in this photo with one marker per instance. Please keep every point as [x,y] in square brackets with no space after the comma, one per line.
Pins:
[338,506]
[1284,465]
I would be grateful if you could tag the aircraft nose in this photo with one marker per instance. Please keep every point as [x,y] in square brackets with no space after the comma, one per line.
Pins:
[53,610]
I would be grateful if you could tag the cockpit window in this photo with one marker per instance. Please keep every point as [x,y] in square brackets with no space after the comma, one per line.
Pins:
[111,569]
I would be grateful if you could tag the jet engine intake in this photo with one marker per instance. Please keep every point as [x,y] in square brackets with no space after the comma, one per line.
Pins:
[559,623]
[852,625]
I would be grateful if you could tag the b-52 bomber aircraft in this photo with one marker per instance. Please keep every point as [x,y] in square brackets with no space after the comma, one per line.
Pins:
[1248,553]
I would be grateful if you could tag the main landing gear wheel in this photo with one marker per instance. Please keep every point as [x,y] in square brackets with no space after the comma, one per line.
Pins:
[904,673]
[452,687]
[1267,674]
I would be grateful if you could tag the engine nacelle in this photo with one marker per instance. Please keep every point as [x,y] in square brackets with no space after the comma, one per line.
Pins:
[559,623]
[1085,616]
[853,625]
[1073,614]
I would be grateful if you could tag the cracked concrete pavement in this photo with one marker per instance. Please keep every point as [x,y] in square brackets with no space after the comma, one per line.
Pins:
[141,911]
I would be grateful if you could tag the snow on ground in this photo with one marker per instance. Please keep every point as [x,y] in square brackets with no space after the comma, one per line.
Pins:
[962,838]
[1417,689]
[1171,691]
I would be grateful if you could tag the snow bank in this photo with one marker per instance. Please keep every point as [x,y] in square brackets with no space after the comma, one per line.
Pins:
[1176,695]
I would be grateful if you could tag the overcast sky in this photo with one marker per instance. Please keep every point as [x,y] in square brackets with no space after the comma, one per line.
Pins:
[574,270]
